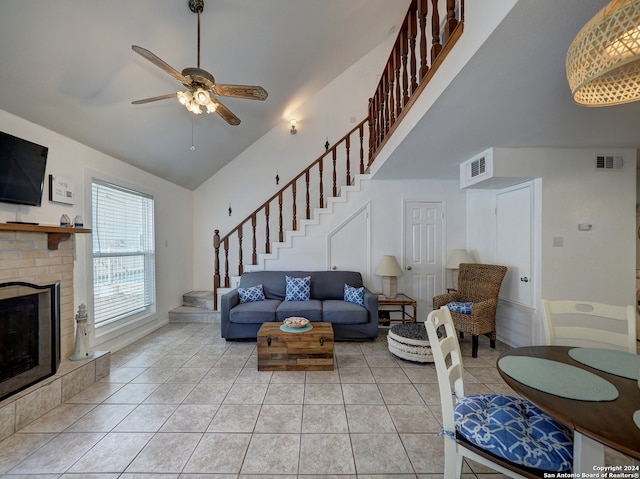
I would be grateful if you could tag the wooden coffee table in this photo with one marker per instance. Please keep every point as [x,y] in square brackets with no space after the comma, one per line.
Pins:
[307,351]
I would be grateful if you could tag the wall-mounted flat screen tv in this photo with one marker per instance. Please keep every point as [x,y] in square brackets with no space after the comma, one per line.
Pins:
[22,170]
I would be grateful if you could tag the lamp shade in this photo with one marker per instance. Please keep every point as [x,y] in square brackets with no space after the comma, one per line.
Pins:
[603,60]
[389,266]
[458,256]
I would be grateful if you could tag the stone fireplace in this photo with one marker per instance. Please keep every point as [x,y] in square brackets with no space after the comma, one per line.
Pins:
[44,256]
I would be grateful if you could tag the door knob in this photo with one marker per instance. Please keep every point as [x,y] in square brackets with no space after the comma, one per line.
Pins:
[408,268]
[524,279]
[334,268]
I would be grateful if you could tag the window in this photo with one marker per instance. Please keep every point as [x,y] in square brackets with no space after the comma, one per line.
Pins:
[123,252]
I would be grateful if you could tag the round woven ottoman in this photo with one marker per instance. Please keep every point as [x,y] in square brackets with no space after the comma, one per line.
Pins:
[409,341]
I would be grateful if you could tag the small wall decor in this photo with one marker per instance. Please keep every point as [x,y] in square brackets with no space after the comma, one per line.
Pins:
[277,178]
[326,145]
[61,190]
[229,209]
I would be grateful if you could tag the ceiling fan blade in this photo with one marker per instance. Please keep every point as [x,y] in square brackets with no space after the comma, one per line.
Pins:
[154,98]
[240,91]
[161,64]
[225,113]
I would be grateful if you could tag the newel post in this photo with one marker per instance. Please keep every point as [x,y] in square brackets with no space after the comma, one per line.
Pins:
[216,267]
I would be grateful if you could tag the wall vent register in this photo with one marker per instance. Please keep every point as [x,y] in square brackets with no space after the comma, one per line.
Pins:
[609,162]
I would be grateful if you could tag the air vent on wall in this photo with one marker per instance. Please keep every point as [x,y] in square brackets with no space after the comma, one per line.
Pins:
[478,166]
[609,162]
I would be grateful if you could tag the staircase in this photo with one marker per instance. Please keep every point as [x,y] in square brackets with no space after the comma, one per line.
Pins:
[197,307]
[429,32]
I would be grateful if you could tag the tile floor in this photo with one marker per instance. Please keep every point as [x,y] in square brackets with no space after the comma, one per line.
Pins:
[183,403]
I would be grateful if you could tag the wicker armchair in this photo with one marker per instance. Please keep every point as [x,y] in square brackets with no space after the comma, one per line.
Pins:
[480,285]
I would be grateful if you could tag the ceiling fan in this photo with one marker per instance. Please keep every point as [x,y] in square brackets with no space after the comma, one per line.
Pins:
[200,83]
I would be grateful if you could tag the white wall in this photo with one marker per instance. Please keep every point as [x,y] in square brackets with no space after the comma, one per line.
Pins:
[385,199]
[173,210]
[596,265]
[250,178]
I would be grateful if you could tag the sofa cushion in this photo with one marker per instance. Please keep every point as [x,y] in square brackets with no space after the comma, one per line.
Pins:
[311,309]
[337,311]
[298,289]
[251,294]
[255,312]
[354,295]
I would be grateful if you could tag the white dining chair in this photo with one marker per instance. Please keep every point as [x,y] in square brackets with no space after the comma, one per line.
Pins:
[500,432]
[589,324]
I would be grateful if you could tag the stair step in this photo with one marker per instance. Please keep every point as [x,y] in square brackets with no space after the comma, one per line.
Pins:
[190,314]
[198,299]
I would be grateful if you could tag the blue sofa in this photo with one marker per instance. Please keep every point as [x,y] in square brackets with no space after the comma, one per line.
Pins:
[350,321]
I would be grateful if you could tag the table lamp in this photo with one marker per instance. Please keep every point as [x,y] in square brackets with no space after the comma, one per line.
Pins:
[389,269]
[456,257]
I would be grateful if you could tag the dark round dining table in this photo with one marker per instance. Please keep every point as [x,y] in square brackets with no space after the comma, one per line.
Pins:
[608,422]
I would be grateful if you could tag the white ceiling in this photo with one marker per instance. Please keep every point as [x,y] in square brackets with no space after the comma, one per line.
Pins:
[68,66]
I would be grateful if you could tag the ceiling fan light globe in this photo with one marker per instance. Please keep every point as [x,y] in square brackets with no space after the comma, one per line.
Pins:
[201,97]
[211,108]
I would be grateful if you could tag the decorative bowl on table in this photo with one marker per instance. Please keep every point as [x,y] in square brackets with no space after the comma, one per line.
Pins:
[296,322]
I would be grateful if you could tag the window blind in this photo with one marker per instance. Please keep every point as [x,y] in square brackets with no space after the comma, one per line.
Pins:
[123,252]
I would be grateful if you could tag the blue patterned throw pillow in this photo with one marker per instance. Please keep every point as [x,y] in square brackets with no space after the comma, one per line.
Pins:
[353,295]
[516,430]
[298,289]
[249,295]
[459,307]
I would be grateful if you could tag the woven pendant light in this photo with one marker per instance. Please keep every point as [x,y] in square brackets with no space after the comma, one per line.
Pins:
[603,61]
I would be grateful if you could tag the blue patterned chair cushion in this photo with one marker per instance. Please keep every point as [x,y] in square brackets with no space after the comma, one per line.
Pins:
[354,295]
[298,289]
[460,307]
[516,430]
[249,295]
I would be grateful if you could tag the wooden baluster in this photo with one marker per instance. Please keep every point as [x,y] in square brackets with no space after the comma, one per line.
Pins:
[240,266]
[390,71]
[267,246]
[380,113]
[307,195]
[254,254]
[216,267]
[335,175]
[371,132]
[347,146]
[413,33]
[436,46]
[397,60]
[294,213]
[321,186]
[452,22]
[422,15]
[226,262]
[385,99]
[404,44]
[281,232]
[361,131]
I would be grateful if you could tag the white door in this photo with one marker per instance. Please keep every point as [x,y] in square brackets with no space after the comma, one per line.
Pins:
[514,241]
[423,272]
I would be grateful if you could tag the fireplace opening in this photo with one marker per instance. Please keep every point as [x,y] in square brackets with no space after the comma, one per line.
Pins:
[29,334]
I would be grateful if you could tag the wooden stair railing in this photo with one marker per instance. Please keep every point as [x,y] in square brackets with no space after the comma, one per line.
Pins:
[334,167]
[416,55]
[409,68]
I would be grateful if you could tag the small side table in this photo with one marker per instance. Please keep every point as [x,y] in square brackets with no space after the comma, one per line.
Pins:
[398,304]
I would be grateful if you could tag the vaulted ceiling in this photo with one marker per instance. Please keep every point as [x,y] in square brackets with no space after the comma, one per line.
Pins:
[68,66]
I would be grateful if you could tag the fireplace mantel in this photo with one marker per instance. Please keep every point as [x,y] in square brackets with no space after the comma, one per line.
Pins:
[55,234]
